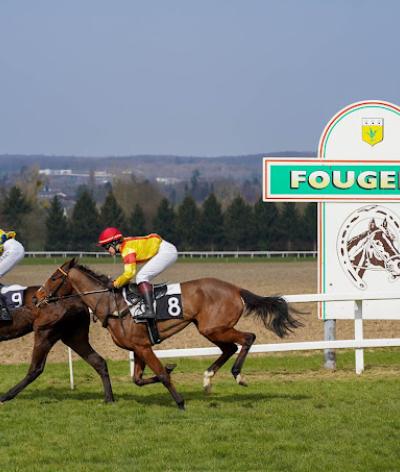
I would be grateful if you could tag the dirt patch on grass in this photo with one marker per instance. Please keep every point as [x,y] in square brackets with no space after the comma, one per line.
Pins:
[270,278]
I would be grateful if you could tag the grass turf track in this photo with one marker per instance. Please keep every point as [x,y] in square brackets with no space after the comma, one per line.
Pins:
[293,417]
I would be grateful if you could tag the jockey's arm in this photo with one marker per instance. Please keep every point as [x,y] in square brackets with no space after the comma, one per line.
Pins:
[12,254]
[129,270]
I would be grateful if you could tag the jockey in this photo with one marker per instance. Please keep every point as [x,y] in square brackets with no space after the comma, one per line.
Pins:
[151,249]
[11,252]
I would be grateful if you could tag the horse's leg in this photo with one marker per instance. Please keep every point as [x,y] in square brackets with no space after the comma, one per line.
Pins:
[78,340]
[139,369]
[161,372]
[228,349]
[43,342]
[232,335]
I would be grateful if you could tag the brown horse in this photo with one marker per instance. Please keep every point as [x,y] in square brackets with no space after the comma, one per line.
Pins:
[68,321]
[212,305]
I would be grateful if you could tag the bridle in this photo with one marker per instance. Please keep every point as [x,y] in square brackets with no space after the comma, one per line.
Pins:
[51,297]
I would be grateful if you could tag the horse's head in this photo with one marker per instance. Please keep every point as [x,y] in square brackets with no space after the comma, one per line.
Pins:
[382,250]
[57,285]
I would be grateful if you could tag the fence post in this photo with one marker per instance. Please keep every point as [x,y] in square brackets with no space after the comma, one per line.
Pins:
[330,335]
[131,363]
[359,335]
[71,369]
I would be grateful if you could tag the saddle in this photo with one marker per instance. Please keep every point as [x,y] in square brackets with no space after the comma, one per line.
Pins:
[134,296]
[168,305]
[11,298]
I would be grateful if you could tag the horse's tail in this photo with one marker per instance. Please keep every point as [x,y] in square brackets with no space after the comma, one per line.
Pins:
[273,311]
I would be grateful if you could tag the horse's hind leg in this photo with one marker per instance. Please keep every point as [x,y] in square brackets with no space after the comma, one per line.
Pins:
[228,349]
[139,369]
[44,341]
[78,340]
[232,336]
[161,372]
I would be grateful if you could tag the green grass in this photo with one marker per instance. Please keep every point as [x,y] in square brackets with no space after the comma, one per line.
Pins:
[185,260]
[293,417]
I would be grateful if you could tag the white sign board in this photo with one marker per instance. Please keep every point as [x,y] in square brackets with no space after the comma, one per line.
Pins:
[359,241]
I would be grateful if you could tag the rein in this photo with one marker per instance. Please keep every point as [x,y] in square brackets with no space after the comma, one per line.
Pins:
[65,274]
[63,297]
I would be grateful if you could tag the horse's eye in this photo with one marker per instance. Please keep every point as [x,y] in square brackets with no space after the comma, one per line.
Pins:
[52,278]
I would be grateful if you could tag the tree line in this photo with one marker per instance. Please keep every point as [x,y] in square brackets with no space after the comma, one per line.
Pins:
[209,226]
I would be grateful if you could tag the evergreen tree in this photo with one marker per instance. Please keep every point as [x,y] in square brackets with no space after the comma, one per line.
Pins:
[211,231]
[111,213]
[188,222]
[57,235]
[309,227]
[239,225]
[137,223]
[15,208]
[267,231]
[165,222]
[289,223]
[84,223]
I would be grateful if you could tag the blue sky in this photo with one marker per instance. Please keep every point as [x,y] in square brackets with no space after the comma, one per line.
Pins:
[201,78]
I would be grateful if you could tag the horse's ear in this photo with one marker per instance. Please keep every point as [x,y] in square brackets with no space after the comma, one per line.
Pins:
[372,225]
[71,263]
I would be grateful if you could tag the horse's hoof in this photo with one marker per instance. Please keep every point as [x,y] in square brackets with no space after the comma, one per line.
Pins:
[240,381]
[181,406]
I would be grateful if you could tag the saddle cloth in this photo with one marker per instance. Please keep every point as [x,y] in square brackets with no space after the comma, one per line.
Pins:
[13,295]
[167,300]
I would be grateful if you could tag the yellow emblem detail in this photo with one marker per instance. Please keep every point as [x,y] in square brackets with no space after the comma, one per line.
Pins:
[372,130]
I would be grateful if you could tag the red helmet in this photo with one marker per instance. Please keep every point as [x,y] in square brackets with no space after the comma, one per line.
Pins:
[109,235]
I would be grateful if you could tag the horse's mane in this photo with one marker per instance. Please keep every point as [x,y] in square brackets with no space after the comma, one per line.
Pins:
[99,277]
[356,239]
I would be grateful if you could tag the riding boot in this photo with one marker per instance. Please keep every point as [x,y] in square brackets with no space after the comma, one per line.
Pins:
[146,290]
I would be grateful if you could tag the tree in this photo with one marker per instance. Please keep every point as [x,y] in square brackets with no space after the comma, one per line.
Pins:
[239,225]
[137,223]
[130,191]
[289,223]
[111,213]
[165,221]
[309,227]
[266,226]
[188,220]
[15,208]
[211,230]
[57,235]
[84,223]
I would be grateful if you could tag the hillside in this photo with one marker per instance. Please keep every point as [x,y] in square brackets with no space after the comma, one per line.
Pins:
[150,167]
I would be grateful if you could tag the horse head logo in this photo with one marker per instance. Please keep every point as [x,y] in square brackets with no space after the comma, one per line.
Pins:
[367,242]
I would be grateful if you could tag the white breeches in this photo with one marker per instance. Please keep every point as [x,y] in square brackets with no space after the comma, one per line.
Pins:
[13,253]
[166,256]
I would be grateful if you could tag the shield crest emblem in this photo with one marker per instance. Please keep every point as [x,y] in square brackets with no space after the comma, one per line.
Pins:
[372,130]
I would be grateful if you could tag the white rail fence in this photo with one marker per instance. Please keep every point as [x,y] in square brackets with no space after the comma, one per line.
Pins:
[182,255]
[358,343]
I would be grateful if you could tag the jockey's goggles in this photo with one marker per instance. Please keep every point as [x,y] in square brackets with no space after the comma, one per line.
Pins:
[110,244]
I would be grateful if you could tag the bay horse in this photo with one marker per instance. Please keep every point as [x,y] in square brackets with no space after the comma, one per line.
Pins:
[212,305]
[68,321]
